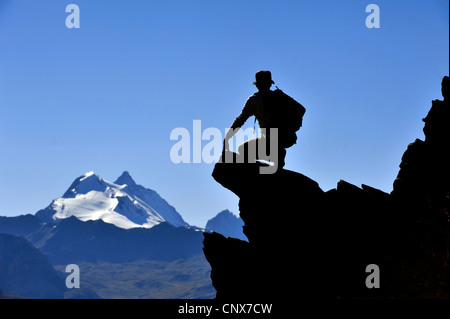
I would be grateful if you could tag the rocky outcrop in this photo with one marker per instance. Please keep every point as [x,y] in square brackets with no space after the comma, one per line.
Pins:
[305,243]
[258,267]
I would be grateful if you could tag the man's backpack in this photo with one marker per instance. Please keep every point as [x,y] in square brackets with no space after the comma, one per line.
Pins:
[283,112]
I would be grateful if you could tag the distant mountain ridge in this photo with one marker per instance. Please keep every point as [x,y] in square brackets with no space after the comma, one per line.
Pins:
[24,271]
[107,226]
[123,203]
[227,224]
[28,260]
[30,248]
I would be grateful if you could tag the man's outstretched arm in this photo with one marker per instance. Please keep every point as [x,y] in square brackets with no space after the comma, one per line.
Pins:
[247,111]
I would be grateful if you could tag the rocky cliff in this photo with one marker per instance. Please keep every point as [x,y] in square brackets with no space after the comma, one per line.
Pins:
[323,252]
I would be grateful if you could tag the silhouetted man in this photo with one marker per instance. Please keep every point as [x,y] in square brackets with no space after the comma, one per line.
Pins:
[264,105]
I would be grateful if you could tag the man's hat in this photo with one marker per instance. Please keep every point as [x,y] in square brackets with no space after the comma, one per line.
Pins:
[263,77]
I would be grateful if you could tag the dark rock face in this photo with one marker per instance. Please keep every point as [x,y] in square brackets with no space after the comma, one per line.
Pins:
[274,250]
[305,243]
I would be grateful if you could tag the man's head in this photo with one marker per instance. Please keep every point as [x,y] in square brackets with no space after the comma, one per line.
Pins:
[445,88]
[263,80]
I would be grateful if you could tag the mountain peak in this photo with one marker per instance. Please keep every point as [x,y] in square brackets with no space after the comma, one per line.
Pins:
[227,224]
[122,203]
[87,175]
[85,183]
[125,178]
[226,212]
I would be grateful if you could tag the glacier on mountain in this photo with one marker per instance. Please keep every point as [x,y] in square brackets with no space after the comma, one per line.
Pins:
[123,203]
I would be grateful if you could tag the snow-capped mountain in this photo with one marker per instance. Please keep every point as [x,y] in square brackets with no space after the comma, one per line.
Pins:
[122,203]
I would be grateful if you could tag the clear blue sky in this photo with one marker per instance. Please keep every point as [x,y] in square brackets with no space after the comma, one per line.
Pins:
[106,96]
